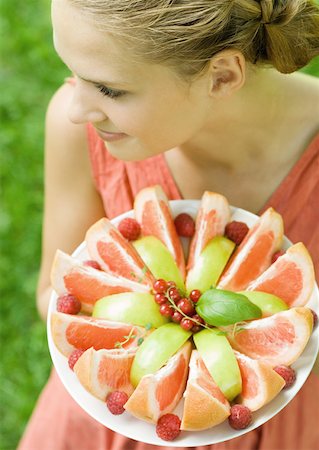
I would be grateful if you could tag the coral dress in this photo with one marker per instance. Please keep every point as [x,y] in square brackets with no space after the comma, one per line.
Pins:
[58,423]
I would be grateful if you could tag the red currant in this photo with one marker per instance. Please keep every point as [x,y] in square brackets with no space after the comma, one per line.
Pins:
[160,286]
[195,295]
[177,316]
[171,284]
[186,305]
[186,324]
[198,318]
[165,310]
[174,294]
[160,299]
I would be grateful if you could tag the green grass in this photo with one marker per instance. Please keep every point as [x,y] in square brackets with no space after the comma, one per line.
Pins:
[30,74]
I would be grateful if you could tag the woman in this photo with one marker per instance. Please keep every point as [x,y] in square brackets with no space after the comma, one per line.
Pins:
[175,91]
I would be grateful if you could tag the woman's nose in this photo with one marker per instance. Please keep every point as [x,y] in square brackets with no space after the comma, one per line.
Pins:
[84,106]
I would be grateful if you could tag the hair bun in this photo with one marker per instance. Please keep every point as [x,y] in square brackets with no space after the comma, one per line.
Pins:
[288,34]
[279,13]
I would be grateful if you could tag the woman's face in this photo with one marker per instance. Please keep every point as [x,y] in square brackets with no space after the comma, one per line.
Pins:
[146,104]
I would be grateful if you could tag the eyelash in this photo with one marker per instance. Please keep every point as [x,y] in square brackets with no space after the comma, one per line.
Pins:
[110,92]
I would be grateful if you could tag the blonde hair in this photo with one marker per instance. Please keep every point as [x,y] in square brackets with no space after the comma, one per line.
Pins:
[187,33]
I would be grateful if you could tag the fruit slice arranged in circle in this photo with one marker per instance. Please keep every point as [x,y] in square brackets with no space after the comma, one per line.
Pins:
[115,254]
[278,339]
[210,264]
[220,361]
[82,332]
[154,214]
[212,218]
[156,350]
[205,405]
[268,303]
[253,255]
[130,307]
[260,382]
[158,394]
[291,277]
[159,260]
[103,371]
[86,283]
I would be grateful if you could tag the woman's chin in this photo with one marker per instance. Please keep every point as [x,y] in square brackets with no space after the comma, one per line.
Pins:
[130,151]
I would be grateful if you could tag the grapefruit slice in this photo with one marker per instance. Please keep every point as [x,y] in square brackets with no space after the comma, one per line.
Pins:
[212,218]
[154,214]
[260,383]
[205,405]
[82,332]
[253,255]
[158,394]
[278,339]
[291,277]
[115,254]
[86,283]
[103,371]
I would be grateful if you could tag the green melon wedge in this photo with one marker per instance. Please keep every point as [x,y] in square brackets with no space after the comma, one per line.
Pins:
[220,361]
[159,260]
[135,308]
[268,303]
[210,264]
[156,350]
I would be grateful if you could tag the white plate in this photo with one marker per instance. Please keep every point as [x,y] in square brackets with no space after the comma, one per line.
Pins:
[136,429]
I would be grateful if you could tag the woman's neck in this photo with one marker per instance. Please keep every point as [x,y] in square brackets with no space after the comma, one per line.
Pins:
[240,127]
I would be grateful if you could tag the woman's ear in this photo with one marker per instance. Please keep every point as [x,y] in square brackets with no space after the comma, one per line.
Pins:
[227,73]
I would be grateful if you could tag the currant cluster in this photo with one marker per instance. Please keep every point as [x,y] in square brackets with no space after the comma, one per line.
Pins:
[179,308]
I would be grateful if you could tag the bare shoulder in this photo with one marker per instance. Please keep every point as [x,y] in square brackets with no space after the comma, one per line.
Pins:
[306,88]
[59,128]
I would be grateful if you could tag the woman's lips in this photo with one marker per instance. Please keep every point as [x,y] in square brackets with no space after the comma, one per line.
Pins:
[110,137]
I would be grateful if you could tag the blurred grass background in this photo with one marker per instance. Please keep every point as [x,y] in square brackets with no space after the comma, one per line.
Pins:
[30,73]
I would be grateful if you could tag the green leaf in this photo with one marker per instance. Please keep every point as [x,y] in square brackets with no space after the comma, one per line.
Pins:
[140,341]
[148,326]
[219,308]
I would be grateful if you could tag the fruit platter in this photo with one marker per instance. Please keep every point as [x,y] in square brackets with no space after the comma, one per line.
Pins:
[188,321]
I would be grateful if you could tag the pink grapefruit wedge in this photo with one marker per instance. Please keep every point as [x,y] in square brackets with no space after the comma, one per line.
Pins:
[87,284]
[260,383]
[212,218]
[103,371]
[115,254]
[205,405]
[278,339]
[291,277]
[154,214]
[253,256]
[82,332]
[158,394]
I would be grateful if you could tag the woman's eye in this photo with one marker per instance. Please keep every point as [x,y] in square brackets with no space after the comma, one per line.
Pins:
[112,93]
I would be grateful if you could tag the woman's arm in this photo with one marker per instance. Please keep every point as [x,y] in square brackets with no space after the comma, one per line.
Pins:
[71,201]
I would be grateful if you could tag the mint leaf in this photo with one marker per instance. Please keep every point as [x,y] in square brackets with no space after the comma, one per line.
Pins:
[219,308]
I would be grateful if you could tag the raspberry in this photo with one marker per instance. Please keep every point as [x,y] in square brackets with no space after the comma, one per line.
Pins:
[236,231]
[240,417]
[315,317]
[168,427]
[68,304]
[287,373]
[92,263]
[185,225]
[129,228]
[276,255]
[75,355]
[115,402]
